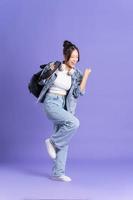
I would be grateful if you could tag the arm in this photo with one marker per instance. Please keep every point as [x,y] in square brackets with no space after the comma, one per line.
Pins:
[81,83]
[84,79]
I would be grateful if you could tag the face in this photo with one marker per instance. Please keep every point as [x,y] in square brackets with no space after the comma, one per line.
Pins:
[73,59]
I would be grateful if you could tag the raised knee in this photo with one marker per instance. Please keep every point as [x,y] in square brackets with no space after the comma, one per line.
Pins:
[76,123]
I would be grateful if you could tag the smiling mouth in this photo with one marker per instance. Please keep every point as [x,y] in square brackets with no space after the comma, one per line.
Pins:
[73,63]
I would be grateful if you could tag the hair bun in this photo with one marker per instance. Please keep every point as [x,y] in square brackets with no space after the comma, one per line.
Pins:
[67,43]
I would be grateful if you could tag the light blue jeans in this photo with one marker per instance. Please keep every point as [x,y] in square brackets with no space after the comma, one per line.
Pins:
[65,125]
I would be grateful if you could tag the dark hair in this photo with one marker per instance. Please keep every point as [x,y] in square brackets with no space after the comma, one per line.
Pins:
[68,49]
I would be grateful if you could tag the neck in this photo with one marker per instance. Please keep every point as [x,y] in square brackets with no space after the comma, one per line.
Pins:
[67,67]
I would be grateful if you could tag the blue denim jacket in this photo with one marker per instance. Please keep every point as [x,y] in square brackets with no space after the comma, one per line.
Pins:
[72,94]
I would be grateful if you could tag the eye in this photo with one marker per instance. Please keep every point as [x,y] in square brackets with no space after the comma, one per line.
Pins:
[74,57]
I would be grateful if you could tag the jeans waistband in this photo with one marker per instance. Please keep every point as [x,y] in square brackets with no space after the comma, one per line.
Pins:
[56,94]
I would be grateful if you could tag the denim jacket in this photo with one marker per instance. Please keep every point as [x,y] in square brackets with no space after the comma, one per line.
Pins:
[72,94]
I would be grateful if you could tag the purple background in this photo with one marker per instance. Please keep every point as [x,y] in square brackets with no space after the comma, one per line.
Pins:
[32,33]
[101,153]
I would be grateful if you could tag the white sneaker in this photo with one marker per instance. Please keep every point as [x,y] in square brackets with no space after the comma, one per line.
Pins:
[62,178]
[50,149]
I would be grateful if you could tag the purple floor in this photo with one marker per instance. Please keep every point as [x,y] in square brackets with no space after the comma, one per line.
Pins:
[90,181]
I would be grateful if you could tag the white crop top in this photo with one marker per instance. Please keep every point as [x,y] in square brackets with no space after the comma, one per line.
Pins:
[62,83]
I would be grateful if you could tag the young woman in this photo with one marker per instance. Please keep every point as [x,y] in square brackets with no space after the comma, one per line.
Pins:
[59,98]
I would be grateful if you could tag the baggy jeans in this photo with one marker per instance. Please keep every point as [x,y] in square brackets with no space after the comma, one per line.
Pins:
[65,125]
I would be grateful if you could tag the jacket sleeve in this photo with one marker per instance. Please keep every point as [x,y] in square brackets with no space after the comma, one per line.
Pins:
[46,68]
[77,91]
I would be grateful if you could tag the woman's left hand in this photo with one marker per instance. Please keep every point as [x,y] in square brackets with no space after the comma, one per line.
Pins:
[87,71]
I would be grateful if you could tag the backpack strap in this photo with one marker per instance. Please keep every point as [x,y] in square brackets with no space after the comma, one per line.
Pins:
[50,71]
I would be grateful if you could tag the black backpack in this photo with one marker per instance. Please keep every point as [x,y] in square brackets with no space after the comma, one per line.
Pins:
[34,85]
